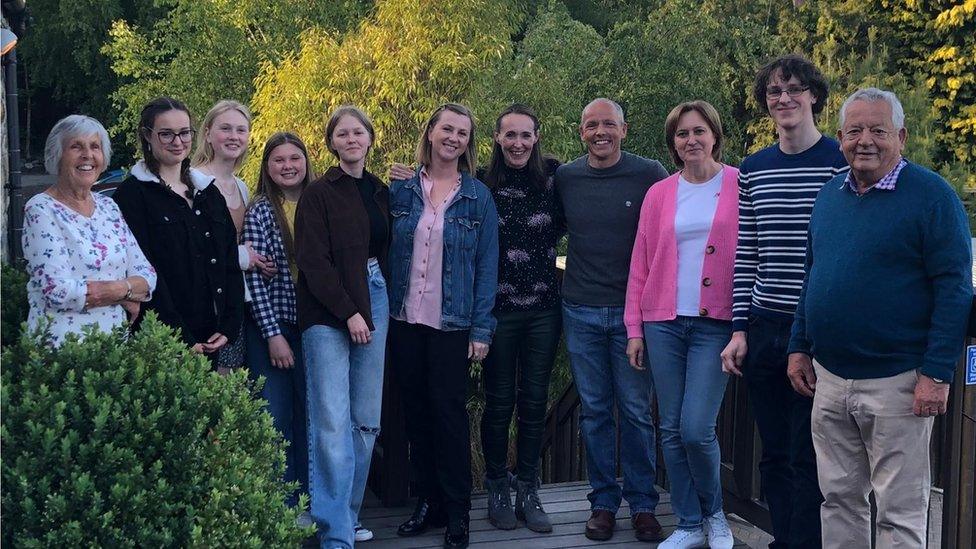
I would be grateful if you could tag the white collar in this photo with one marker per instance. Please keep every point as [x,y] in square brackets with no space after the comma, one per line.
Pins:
[199,179]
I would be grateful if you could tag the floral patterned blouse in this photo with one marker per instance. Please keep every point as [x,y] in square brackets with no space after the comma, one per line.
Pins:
[64,250]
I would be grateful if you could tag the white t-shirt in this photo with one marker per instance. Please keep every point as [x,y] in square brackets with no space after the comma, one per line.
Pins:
[692,223]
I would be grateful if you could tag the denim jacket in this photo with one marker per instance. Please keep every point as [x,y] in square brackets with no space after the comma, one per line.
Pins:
[470,275]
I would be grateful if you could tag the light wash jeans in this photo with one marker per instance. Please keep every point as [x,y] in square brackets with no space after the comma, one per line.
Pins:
[686,363]
[597,343]
[345,393]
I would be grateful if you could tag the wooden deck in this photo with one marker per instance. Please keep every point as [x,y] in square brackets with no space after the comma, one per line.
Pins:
[566,504]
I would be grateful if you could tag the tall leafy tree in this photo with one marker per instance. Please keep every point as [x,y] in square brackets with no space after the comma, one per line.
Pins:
[65,70]
[551,70]
[398,65]
[204,50]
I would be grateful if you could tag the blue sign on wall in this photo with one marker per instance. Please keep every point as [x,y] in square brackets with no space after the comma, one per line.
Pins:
[971,365]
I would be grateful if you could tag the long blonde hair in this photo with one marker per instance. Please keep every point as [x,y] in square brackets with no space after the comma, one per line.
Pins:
[205,152]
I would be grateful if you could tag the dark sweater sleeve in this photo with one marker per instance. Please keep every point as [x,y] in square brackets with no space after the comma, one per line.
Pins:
[657,172]
[798,336]
[558,215]
[948,264]
[313,254]
[133,209]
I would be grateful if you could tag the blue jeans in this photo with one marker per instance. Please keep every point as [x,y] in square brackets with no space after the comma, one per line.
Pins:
[686,364]
[597,343]
[284,389]
[345,393]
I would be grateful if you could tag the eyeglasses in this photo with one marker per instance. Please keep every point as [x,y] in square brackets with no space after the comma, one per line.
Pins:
[168,136]
[792,91]
[879,134]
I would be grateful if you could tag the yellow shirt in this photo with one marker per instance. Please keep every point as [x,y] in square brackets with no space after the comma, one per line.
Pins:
[289,208]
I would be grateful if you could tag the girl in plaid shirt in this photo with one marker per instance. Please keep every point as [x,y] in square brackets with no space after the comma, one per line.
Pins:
[273,340]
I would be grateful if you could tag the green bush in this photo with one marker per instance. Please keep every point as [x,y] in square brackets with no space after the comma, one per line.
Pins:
[13,302]
[134,442]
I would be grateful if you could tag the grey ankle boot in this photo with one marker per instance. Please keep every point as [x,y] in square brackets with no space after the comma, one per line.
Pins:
[529,509]
[500,513]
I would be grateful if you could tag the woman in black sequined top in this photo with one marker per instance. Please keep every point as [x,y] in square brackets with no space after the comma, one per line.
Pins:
[518,367]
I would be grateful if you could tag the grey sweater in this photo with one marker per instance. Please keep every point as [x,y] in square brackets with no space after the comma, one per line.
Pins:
[602,207]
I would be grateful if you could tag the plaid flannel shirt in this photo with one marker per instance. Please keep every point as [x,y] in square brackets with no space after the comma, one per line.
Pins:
[272,301]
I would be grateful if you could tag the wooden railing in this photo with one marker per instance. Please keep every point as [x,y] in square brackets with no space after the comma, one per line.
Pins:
[953,453]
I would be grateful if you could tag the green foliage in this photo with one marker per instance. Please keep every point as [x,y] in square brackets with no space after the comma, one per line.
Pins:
[13,302]
[180,53]
[541,73]
[119,441]
[648,89]
[942,38]
[62,49]
[398,65]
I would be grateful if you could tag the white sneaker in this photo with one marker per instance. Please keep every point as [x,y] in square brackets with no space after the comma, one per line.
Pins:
[363,534]
[304,520]
[718,531]
[684,539]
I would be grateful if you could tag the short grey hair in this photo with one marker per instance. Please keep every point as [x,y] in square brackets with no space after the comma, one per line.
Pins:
[616,107]
[70,127]
[872,95]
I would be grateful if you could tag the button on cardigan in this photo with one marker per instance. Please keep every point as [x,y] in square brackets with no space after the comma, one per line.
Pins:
[653,281]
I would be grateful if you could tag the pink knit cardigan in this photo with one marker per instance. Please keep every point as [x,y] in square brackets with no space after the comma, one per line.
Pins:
[652,286]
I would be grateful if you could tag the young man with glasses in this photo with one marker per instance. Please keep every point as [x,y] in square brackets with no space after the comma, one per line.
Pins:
[777,188]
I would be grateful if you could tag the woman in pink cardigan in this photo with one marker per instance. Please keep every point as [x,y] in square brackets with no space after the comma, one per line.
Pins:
[679,301]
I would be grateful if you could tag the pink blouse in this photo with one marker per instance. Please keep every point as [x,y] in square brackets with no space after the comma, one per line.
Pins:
[422,304]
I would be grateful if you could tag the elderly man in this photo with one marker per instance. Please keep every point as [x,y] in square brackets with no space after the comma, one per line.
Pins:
[882,315]
[601,194]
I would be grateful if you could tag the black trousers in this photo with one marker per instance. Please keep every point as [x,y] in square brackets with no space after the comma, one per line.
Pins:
[788,466]
[517,369]
[431,367]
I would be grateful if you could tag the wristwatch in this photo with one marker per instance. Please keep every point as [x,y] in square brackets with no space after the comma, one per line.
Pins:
[939,381]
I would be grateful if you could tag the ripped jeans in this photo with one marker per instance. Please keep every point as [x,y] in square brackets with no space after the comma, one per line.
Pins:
[345,393]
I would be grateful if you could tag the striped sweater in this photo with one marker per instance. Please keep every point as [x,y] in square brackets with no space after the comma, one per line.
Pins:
[776,195]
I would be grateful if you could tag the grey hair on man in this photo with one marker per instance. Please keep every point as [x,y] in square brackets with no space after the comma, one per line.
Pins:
[616,106]
[873,95]
[69,127]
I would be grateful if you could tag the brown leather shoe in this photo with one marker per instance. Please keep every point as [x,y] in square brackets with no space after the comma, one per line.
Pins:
[646,527]
[601,524]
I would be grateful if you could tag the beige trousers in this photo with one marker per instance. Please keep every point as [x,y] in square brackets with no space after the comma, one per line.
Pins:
[867,439]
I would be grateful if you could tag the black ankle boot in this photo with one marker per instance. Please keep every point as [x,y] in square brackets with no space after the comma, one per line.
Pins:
[456,535]
[426,515]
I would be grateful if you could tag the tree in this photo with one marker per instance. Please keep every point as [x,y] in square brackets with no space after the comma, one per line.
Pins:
[397,65]
[550,70]
[644,70]
[205,50]
[66,72]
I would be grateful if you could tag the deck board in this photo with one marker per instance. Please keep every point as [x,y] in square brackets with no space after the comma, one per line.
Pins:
[565,503]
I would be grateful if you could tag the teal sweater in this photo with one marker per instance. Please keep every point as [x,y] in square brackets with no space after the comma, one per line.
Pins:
[888,285]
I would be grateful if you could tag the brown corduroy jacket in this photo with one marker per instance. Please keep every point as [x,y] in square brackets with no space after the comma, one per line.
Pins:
[332,247]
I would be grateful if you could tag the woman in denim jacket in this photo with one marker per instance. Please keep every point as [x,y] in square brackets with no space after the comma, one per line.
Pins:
[443,277]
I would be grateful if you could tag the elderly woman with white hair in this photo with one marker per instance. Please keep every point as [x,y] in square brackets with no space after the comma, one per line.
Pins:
[85,266]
